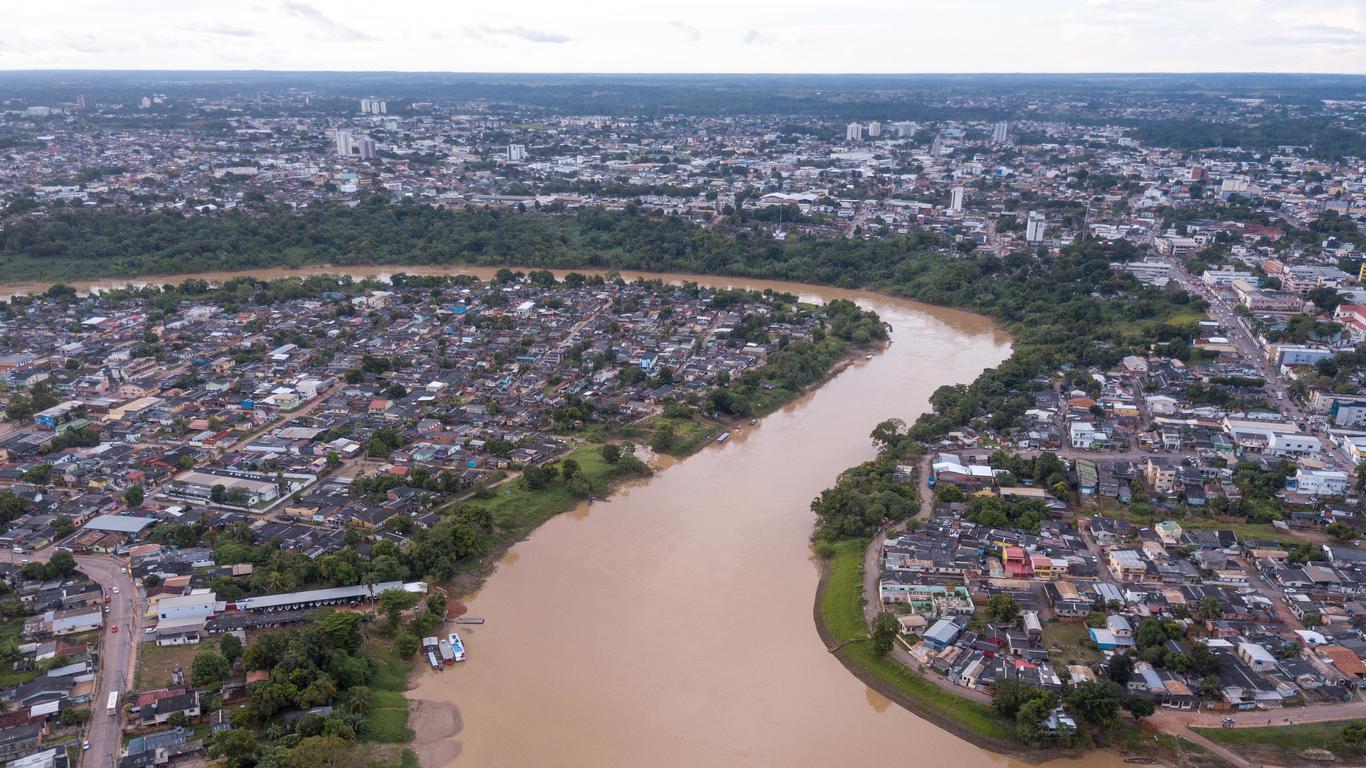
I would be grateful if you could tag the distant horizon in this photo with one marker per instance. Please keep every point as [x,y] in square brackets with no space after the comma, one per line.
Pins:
[692,73]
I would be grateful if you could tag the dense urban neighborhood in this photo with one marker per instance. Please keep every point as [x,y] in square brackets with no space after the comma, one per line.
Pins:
[234,507]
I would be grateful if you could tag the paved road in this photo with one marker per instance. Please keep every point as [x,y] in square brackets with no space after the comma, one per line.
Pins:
[118,650]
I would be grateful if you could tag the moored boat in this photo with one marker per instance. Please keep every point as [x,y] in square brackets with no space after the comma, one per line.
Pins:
[456,645]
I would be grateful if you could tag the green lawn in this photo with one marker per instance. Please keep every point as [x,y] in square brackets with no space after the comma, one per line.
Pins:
[1283,744]
[692,433]
[841,611]
[1067,637]
[517,510]
[388,722]
[1262,531]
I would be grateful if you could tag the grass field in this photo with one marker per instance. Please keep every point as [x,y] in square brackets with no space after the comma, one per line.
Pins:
[691,433]
[156,662]
[1067,637]
[517,510]
[1263,531]
[841,611]
[1283,744]
[388,722]
[10,633]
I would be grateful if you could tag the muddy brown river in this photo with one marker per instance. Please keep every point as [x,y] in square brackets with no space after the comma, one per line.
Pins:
[672,627]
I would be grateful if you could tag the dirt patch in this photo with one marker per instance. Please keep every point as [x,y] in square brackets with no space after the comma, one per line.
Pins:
[436,724]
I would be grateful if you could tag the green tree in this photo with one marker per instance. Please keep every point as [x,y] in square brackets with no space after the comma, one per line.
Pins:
[611,453]
[208,670]
[133,496]
[62,563]
[1139,706]
[885,629]
[1120,668]
[1002,609]
[1096,703]
[230,647]
[236,747]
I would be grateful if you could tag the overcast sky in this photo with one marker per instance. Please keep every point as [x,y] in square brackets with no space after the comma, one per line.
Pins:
[690,36]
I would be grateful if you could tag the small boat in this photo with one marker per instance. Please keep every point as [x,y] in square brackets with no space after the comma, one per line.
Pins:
[869,357]
[431,659]
[457,646]
[723,438]
[447,653]
[469,620]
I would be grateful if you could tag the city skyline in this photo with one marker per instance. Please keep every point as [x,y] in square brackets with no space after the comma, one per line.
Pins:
[873,36]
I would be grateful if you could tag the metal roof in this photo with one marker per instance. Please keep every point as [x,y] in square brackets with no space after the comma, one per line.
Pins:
[119,523]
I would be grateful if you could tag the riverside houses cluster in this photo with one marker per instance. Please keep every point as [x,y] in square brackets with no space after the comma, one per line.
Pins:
[318,416]
[1198,511]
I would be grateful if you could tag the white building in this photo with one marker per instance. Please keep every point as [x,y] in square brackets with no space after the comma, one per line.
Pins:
[853,132]
[956,200]
[1034,227]
[1085,436]
[999,132]
[198,605]
[344,143]
[365,148]
[874,129]
[516,153]
[1227,276]
[1318,482]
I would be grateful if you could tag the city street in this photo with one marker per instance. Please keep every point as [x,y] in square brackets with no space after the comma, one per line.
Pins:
[118,650]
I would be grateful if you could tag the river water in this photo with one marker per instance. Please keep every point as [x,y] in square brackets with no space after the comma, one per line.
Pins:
[672,627]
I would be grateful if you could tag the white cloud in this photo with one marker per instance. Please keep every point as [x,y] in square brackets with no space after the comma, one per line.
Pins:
[740,36]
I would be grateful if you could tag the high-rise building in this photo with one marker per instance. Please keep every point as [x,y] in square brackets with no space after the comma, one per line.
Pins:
[853,132]
[1034,227]
[956,200]
[905,129]
[875,128]
[344,143]
[373,107]
[365,106]
[516,153]
[999,132]
[365,148]
[85,101]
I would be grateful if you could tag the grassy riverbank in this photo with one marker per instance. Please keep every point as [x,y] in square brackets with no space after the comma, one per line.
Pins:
[1285,744]
[839,617]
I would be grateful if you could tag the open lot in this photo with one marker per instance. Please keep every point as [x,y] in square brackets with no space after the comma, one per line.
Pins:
[156,662]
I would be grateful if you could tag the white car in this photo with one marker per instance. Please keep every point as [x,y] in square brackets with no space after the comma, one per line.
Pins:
[85,745]
[115,590]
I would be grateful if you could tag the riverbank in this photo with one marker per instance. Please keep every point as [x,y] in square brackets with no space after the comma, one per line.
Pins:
[838,613]
[839,617]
